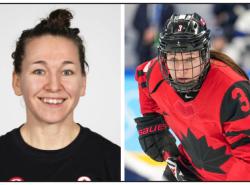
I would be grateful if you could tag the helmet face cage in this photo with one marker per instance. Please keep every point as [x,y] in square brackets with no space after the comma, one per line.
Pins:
[184,52]
[174,70]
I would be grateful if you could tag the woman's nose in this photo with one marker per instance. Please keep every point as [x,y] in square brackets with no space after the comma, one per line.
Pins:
[179,66]
[53,83]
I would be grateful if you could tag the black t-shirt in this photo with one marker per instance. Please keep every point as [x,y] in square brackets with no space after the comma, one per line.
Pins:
[90,157]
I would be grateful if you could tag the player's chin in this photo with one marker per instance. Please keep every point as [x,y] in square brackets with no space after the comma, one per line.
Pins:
[184,80]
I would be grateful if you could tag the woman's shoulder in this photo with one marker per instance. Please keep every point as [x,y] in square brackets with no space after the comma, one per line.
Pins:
[224,70]
[7,139]
[102,153]
[98,140]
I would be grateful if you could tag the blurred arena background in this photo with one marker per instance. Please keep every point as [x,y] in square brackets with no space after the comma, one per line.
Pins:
[230,31]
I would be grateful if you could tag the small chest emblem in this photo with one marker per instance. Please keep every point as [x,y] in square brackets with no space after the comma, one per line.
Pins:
[83,178]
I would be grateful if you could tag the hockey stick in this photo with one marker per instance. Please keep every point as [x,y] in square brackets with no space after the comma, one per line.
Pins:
[175,171]
[173,167]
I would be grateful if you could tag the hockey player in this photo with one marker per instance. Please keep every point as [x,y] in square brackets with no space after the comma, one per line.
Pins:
[203,97]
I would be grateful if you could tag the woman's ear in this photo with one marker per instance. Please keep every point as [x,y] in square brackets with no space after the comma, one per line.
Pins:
[83,90]
[16,83]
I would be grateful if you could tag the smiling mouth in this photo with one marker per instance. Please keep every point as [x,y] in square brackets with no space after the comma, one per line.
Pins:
[53,101]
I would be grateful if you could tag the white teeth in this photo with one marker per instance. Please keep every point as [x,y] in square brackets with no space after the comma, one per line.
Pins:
[52,100]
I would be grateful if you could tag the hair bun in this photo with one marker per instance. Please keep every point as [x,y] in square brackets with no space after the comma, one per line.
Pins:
[60,18]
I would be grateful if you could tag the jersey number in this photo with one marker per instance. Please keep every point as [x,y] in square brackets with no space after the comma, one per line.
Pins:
[180,28]
[237,92]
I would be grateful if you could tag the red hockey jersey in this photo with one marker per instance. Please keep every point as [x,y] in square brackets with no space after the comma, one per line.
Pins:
[214,127]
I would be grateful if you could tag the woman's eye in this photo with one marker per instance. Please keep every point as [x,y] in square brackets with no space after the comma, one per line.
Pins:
[68,72]
[39,72]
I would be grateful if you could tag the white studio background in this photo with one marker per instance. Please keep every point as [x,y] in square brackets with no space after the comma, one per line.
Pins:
[99,24]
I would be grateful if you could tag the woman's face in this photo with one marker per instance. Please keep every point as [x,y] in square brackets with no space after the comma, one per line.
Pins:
[51,81]
[185,67]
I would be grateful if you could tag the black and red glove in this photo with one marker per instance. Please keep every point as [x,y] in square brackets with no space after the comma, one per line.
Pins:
[154,136]
[159,144]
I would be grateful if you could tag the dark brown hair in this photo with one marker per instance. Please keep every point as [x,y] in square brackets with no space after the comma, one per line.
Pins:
[57,24]
[228,61]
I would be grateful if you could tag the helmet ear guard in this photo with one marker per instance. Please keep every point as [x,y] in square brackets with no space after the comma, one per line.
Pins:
[185,34]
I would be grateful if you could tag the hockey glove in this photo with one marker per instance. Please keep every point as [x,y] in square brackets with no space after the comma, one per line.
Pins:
[155,138]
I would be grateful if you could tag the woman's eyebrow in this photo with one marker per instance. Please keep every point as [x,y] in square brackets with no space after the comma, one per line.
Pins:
[45,63]
[182,58]
[40,62]
[68,62]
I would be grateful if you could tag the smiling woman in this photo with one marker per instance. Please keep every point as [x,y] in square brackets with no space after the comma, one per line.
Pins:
[53,64]
[50,74]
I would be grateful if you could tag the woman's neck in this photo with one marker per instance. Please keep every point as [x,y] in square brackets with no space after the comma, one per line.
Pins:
[49,136]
